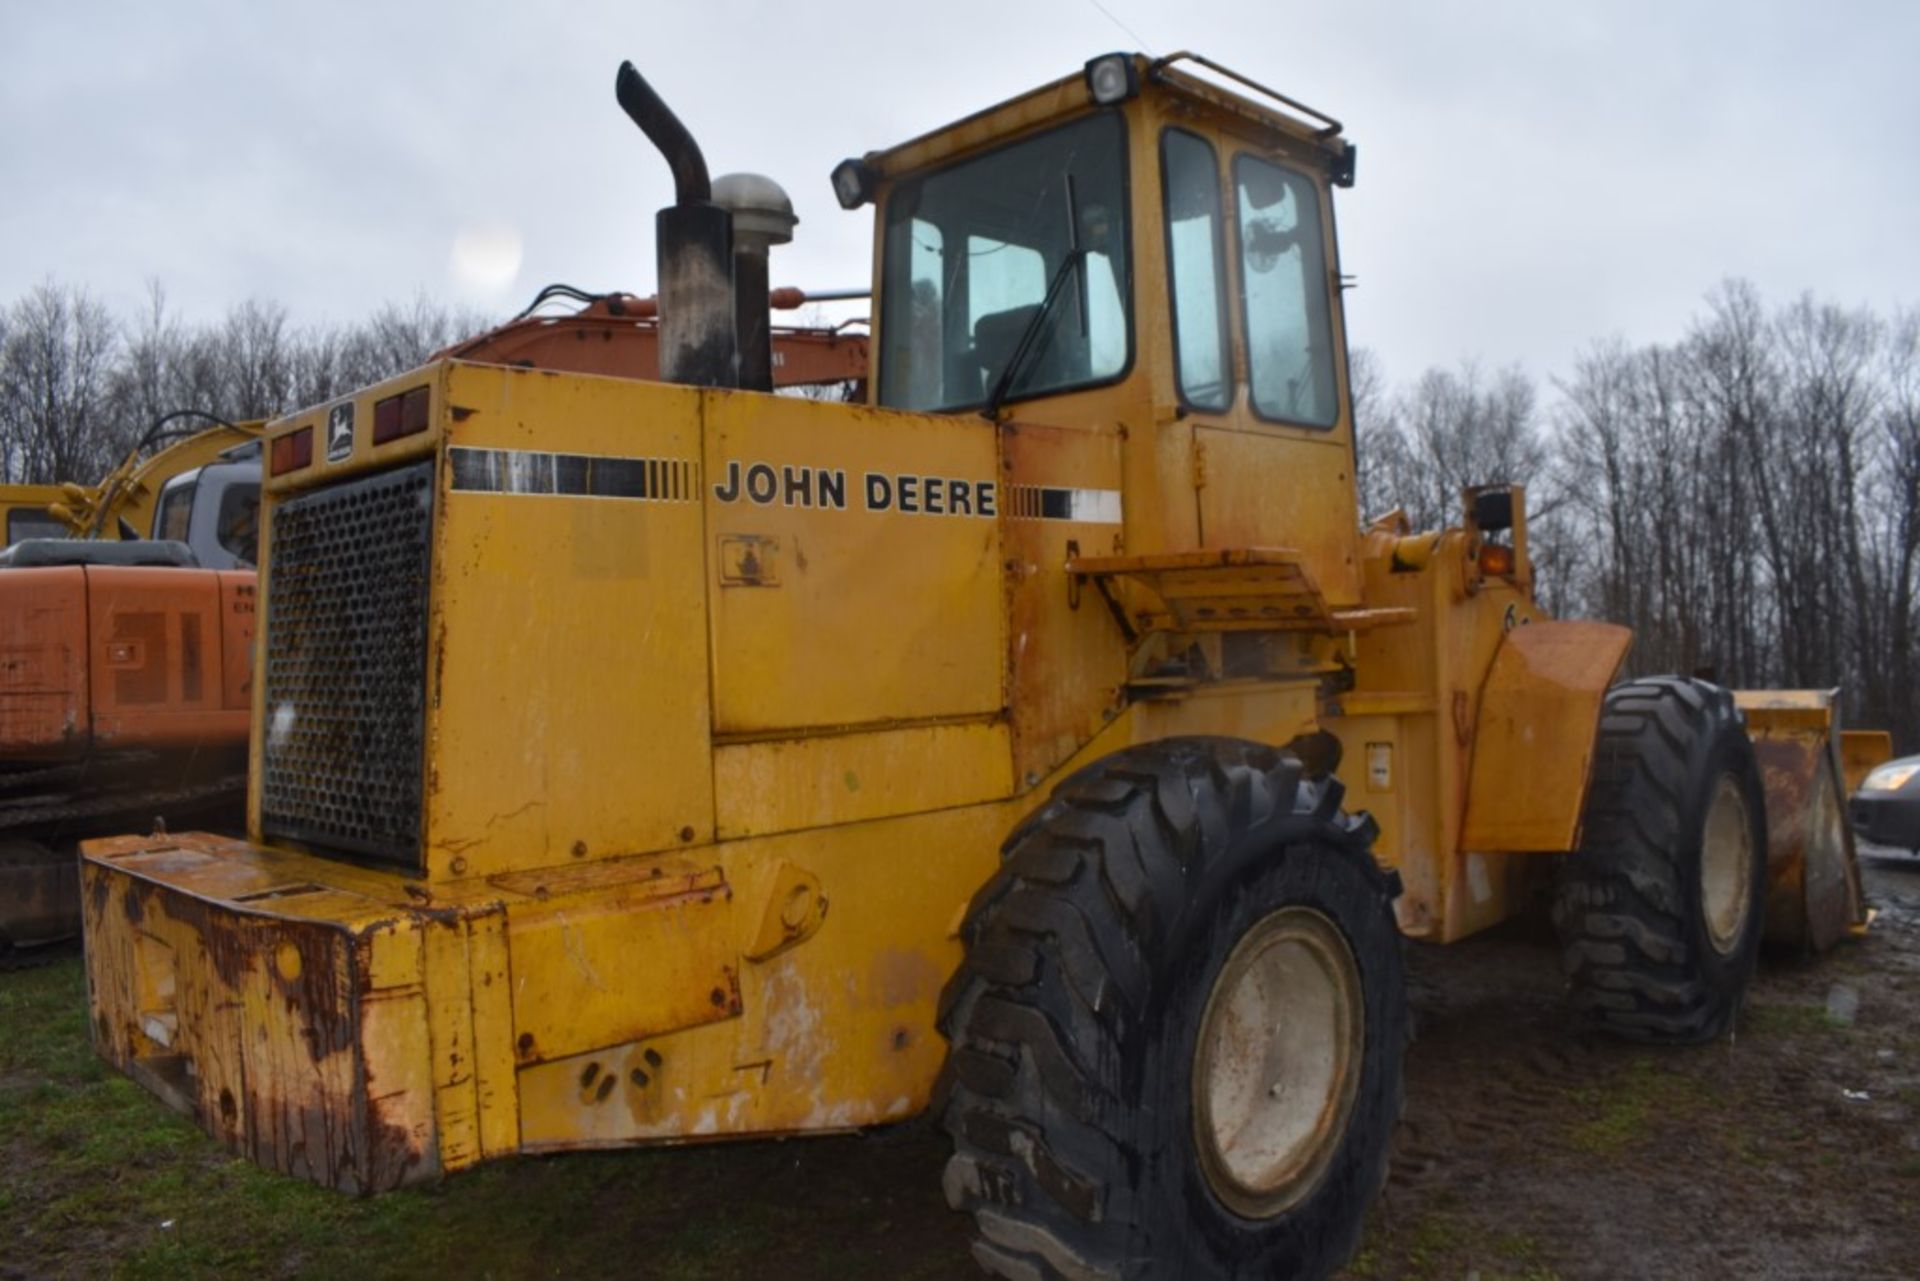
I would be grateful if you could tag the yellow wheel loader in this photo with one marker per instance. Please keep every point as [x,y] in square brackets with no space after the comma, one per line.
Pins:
[1042,742]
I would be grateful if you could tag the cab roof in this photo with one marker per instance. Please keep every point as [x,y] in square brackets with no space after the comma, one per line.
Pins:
[1264,108]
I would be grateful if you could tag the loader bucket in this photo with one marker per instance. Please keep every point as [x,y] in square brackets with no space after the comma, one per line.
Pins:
[1860,751]
[1813,878]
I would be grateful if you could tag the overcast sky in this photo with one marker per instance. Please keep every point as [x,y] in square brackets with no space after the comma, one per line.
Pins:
[1534,174]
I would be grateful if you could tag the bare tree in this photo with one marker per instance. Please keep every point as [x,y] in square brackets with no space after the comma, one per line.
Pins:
[54,370]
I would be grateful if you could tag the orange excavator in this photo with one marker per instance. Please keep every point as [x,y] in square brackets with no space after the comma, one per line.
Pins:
[124,671]
[618,335]
[126,650]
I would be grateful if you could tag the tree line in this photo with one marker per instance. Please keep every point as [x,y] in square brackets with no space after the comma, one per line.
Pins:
[79,386]
[1746,498]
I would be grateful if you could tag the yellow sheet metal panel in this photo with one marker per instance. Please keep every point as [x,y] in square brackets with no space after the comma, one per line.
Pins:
[264,1026]
[1378,752]
[489,981]
[395,1099]
[609,952]
[854,562]
[782,785]
[568,673]
[1275,487]
[1534,737]
[834,1032]
[1163,503]
[450,1029]
[1065,663]
[1265,712]
[837,1031]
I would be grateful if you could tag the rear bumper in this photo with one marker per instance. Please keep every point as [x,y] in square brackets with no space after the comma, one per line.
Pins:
[281,1002]
[1893,819]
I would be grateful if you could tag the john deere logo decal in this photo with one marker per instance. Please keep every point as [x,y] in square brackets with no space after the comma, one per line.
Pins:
[339,432]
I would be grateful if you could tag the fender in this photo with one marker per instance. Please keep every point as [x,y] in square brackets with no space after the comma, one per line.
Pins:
[1533,744]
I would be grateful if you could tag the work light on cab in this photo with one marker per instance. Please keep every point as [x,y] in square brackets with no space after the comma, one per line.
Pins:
[852,183]
[1111,78]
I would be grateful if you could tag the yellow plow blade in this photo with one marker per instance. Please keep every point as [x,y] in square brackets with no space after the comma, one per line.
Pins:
[1813,877]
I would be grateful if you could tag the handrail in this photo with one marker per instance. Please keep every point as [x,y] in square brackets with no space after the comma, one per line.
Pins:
[1333,126]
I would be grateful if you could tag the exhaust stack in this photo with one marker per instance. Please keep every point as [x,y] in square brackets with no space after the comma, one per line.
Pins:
[694,245]
[762,218]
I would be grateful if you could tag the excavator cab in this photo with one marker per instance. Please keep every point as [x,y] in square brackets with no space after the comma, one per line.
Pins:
[24,514]
[215,509]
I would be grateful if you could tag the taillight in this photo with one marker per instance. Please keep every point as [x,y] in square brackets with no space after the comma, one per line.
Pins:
[291,452]
[1496,559]
[401,415]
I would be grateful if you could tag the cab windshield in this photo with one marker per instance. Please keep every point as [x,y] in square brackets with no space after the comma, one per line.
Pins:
[970,252]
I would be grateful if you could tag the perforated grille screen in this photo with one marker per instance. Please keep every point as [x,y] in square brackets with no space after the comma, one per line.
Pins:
[346,665]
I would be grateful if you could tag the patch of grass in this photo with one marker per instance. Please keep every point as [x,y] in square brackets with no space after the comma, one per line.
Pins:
[1908,1169]
[1434,1239]
[1515,1247]
[1624,1109]
[1444,1242]
[1788,1020]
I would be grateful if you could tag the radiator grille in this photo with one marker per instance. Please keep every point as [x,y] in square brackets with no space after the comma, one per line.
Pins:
[346,665]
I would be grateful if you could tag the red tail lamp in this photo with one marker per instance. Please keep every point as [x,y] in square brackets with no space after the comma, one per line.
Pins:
[401,415]
[291,452]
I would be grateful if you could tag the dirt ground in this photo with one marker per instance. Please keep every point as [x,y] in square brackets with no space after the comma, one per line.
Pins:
[1791,1149]
[1530,1149]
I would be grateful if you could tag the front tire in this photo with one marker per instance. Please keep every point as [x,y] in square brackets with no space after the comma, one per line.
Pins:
[1661,910]
[1178,1033]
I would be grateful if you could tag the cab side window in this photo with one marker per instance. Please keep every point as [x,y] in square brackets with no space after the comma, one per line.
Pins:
[1283,294]
[1196,264]
[238,523]
[25,522]
[175,516]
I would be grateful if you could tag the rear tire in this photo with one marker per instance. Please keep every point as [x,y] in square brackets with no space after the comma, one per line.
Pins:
[1660,912]
[1178,1032]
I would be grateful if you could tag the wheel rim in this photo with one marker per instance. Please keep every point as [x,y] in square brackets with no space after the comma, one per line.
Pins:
[1726,866]
[1277,1063]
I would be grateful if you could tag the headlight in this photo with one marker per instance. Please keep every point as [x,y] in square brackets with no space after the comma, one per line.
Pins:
[1889,778]
[1111,79]
[852,183]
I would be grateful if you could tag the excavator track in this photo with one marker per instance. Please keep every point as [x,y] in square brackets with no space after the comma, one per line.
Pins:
[61,810]
[39,828]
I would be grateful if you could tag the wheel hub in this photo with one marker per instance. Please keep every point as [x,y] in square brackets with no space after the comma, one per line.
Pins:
[1277,1062]
[1726,866]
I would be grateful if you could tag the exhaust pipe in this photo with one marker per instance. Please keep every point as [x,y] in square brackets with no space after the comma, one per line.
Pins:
[693,242]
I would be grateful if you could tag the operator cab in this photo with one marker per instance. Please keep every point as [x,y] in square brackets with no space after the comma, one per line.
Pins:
[1142,248]
[1176,215]
[26,522]
[215,509]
